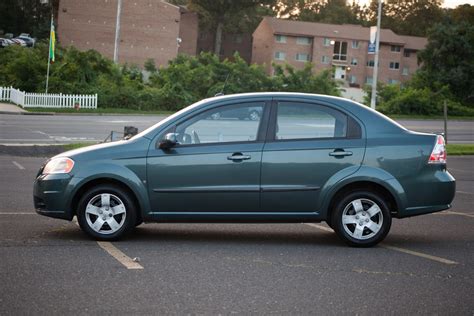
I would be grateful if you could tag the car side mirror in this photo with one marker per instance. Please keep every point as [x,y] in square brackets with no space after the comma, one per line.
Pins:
[170,140]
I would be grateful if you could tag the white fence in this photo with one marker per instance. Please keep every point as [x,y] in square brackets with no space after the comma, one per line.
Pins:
[48,100]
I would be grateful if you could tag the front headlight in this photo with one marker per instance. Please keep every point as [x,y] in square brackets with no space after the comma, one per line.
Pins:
[59,165]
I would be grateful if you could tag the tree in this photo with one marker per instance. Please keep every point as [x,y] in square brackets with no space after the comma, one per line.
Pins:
[324,11]
[448,59]
[219,14]
[407,17]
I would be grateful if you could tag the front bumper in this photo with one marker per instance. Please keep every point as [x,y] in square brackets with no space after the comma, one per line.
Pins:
[51,195]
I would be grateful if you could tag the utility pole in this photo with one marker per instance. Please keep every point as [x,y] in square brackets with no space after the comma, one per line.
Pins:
[376,61]
[117,30]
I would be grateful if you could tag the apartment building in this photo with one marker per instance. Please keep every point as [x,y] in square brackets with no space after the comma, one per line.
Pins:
[148,29]
[343,47]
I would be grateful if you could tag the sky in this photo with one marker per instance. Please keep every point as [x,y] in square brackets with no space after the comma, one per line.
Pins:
[446,4]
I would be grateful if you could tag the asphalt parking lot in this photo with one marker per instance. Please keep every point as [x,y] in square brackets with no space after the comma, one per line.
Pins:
[48,266]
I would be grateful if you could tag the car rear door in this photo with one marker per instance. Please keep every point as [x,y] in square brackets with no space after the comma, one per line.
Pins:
[308,144]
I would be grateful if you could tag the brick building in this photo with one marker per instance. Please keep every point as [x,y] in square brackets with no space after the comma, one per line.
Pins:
[344,47]
[148,29]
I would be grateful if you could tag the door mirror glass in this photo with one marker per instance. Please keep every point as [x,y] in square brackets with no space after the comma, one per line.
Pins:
[170,140]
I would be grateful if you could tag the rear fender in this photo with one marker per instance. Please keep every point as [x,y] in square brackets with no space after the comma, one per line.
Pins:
[363,174]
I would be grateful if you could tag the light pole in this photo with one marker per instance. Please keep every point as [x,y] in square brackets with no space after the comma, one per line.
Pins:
[117,30]
[376,61]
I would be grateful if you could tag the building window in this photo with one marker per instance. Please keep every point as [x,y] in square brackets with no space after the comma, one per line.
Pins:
[354,61]
[302,57]
[280,56]
[355,44]
[393,81]
[280,38]
[370,63]
[395,48]
[340,51]
[406,53]
[394,65]
[352,79]
[326,42]
[303,40]
[325,59]
[405,71]
[238,39]
[368,80]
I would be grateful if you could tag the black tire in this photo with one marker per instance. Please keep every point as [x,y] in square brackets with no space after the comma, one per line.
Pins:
[368,230]
[126,220]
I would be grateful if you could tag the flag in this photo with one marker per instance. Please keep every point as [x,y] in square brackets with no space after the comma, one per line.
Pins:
[52,42]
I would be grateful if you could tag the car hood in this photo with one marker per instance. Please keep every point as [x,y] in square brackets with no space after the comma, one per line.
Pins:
[136,147]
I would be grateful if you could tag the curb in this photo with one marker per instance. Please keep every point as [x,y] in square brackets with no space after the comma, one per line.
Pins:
[83,114]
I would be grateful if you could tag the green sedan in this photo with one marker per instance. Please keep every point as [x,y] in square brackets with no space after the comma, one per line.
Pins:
[305,158]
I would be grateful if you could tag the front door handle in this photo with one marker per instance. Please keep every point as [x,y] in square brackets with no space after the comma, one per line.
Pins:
[238,157]
[340,153]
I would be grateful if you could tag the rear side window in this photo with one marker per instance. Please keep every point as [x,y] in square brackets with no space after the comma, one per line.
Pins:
[297,120]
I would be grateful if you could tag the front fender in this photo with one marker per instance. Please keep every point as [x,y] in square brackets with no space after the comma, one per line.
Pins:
[118,171]
[363,174]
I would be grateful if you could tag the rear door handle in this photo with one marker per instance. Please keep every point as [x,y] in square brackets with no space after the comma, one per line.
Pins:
[238,157]
[340,153]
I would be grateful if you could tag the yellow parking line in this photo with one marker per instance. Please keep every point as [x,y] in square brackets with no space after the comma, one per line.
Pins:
[420,254]
[407,251]
[119,255]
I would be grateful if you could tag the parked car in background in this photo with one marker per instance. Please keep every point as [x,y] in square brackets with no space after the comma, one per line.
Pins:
[307,158]
[29,41]
[250,113]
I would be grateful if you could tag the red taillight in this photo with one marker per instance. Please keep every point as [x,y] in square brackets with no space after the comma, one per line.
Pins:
[438,155]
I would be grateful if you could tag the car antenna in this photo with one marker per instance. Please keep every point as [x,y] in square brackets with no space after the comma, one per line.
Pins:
[221,93]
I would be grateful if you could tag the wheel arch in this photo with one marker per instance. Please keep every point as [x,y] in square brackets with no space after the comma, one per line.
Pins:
[367,179]
[104,180]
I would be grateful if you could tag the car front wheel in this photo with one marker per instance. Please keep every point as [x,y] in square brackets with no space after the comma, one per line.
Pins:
[361,219]
[106,212]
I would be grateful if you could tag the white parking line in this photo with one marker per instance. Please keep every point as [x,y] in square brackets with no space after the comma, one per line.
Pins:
[18,165]
[454,213]
[326,229]
[420,254]
[17,213]
[464,192]
[119,255]
[407,251]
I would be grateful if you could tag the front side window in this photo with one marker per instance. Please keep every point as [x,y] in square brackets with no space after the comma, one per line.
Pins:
[305,120]
[233,123]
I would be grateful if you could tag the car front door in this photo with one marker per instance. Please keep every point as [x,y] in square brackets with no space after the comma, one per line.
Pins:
[215,167]
[308,144]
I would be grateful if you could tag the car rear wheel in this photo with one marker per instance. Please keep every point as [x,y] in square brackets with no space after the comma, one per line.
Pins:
[361,219]
[106,212]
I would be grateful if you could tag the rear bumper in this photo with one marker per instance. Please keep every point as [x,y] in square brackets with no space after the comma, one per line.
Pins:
[435,194]
[50,196]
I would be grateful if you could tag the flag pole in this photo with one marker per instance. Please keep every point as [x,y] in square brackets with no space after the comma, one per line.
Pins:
[49,53]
